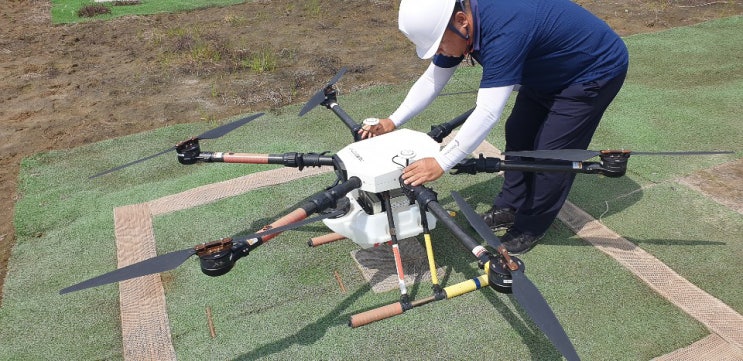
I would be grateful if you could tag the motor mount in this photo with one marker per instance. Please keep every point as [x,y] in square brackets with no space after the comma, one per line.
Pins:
[614,162]
[188,151]
[499,276]
[218,257]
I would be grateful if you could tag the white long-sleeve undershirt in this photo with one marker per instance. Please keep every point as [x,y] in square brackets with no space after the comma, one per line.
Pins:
[490,105]
[422,93]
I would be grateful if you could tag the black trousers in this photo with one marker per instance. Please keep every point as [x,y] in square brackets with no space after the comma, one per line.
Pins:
[566,120]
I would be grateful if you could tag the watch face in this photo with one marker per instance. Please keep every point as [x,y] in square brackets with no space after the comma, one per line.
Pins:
[371,121]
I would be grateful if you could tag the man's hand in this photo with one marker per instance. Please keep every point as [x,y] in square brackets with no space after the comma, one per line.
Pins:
[422,171]
[384,126]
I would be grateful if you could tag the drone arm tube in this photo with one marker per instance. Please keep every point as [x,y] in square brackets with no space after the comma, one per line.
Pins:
[315,204]
[493,165]
[470,243]
[427,198]
[293,217]
[439,132]
[244,158]
[291,159]
[346,119]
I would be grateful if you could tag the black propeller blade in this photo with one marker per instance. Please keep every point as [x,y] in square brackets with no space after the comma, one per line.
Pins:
[526,293]
[131,163]
[529,297]
[224,129]
[210,134]
[172,260]
[579,155]
[476,221]
[150,266]
[319,97]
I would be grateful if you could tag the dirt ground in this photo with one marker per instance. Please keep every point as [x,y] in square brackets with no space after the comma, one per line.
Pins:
[62,86]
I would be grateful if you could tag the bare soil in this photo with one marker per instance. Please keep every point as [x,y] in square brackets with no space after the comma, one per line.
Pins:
[62,86]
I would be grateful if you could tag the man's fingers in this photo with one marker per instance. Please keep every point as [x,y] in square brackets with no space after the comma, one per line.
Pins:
[367,131]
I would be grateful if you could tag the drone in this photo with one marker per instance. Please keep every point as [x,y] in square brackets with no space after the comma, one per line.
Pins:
[370,205]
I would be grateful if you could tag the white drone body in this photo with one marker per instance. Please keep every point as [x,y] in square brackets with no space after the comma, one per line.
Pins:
[379,162]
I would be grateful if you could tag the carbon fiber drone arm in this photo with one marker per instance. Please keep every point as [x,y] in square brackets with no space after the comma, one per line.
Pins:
[427,198]
[189,152]
[441,131]
[218,261]
[493,165]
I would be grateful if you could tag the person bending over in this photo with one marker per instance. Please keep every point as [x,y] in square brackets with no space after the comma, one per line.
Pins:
[568,66]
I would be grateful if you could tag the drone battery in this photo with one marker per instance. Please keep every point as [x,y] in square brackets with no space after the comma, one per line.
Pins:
[372,203]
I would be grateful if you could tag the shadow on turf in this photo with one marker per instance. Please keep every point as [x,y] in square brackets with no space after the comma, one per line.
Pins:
[538,344]
[456,259]
[449,253]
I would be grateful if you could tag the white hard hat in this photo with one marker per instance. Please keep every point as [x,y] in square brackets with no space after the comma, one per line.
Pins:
[424,23]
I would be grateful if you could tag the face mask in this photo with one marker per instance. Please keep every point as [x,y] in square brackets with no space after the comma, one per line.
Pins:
[444,61]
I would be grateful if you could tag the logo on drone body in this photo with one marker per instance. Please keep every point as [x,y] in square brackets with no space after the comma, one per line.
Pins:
[357,155]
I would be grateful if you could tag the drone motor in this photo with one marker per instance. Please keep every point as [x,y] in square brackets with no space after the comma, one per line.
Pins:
[499,276]
[614,163]
[188,151]
[218,257]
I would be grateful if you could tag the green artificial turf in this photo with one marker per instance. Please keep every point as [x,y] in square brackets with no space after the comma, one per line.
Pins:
[283,302]
[66,11]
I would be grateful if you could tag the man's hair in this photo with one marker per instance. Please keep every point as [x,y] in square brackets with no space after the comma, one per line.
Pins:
[459,6]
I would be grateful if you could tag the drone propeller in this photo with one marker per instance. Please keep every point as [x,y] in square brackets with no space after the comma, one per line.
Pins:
[526,293]
[319,97]
[210,134]
[169,261]
[162,263]
[579,155]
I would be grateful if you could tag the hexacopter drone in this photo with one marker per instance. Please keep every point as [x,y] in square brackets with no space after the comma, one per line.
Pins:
[369,205]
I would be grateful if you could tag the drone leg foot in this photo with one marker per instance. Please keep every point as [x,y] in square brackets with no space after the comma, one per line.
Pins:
[376,314]
[325,239]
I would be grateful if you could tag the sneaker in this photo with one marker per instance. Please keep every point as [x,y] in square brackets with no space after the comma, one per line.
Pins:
[499,218]
[517,242]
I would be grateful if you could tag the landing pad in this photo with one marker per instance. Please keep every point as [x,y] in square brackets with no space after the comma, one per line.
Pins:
[377,265]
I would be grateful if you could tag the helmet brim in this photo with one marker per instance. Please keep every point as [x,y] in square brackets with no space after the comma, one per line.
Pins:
[428,53]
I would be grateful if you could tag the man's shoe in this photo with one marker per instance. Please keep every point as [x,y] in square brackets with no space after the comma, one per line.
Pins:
[499,218]
[517,242]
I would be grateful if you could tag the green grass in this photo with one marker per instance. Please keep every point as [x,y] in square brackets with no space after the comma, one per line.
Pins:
[65,11]
[282,301]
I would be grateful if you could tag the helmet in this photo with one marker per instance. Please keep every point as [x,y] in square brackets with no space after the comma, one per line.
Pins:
[424,23]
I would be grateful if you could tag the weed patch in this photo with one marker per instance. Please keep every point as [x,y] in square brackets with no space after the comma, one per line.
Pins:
[90,11]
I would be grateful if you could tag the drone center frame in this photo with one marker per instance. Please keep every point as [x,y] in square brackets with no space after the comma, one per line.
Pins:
[379,162]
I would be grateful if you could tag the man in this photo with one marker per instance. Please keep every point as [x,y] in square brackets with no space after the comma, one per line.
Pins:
[569,65]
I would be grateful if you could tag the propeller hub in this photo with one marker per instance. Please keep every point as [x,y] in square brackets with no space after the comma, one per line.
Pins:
[499,276]
[188,151]
[614,163]
[216,258]
[218,263]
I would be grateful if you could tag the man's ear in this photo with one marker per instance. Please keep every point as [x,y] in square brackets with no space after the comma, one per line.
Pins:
[461,19]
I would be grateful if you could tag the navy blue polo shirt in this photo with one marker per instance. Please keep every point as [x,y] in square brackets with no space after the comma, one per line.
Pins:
[544,44]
